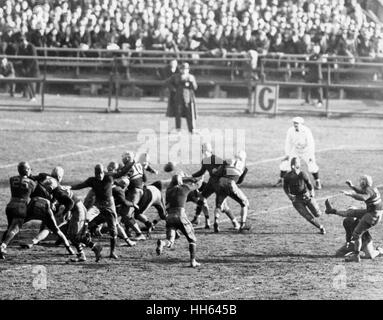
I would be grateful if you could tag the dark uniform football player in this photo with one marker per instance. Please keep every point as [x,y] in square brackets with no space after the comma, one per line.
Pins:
[22,187]
[231,174]
[176,219]
[74,226]
[123,205]
[42,200]
[300,191]
[102,186]
[368,217]
[368,251]
[137,178]
[210,163]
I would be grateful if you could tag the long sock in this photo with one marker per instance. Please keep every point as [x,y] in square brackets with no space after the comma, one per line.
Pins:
[10,235]
[192,250]
[205,210]
[198,210]
[43,234]
[63,238]
[244,211]
[4,235]
[314,223]
[113,242]
[316,175]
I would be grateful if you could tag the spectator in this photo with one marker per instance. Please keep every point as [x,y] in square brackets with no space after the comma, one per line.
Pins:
[165,74]
[183,85]
[314,75]
[7,71]
[29,67]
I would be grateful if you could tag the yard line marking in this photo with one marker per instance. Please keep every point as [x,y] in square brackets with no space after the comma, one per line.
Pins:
[280,158]
[76,153]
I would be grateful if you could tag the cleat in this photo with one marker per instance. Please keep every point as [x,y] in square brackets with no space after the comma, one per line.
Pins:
[322,230]
[346,249]
[207,226]
[278,184]
[26,245]
[352,257]
[329,208]
[130,243]
[236,225]
[97,252]
[160,247]
[319,105]
[245,227]
[194,264]
[216,228]
[195,220]
[2,253]
[170,244]
[80,258]
[140,237]
[318,184]
[113,255]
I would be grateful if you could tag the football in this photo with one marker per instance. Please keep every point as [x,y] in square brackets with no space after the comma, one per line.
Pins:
[169,167]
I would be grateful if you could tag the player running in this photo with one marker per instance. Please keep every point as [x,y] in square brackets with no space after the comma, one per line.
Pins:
[176,219]
[368,217]
[297,186]
[22,187]
[231,174]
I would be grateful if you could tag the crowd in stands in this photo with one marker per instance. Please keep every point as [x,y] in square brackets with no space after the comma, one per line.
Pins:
[217,26]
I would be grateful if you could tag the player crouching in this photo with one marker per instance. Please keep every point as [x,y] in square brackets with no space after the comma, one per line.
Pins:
[367,218]
[232,173]
[367,250]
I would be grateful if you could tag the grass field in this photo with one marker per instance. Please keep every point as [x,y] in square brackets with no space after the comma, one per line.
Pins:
[283,257]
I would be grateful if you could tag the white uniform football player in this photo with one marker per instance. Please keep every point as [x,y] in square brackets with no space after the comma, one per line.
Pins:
[300,143]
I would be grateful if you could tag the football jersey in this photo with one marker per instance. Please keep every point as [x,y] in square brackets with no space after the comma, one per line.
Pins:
[21,187]
[374,202]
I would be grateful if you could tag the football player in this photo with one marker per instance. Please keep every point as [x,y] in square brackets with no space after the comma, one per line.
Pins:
[102,186]
[22,187]
[367,218]
[297,186]
[231,174]
[176,219]
[210,163]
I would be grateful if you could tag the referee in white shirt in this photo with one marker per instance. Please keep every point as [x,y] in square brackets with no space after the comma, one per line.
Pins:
[300,143]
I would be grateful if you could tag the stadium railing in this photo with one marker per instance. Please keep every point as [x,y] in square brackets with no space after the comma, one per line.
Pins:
[117,61]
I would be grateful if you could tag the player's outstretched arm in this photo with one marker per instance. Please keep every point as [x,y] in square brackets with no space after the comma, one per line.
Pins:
[80,186]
